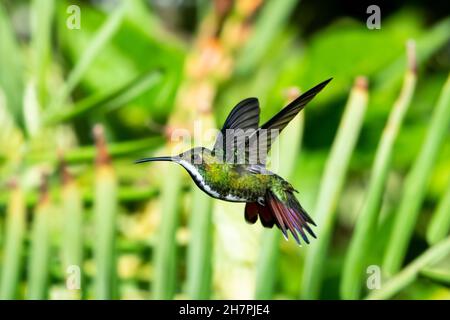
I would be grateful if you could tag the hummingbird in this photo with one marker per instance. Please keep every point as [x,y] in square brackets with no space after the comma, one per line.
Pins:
[235,169]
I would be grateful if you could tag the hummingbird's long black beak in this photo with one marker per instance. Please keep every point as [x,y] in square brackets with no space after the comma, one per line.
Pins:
[172,159]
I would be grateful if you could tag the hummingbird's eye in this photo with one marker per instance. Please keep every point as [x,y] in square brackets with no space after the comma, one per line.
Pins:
[187,156]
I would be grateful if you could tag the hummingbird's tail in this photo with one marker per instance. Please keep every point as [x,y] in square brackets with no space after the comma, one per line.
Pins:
[287,214]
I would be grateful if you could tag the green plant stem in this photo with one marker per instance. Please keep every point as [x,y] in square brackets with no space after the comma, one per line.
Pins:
[409,274]
[164,279]
[105,210]
[267,268]
[273,16]
[437,275]
[367,220]
[87,153]
[15,229]
[332,182]
[200,246]
[38,268]
[42,18]
[416,184]
[439,225]
[72,237]
[271,20]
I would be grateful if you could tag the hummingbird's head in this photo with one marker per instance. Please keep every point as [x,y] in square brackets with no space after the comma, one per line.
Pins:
[194,157]
[192,160]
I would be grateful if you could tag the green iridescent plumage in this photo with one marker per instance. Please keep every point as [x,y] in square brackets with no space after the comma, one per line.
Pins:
[235,180]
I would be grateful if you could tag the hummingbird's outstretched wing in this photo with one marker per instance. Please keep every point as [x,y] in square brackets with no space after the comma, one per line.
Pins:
[243,117]
[264,136]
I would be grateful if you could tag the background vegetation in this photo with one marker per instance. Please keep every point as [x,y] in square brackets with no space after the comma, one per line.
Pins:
[369,155]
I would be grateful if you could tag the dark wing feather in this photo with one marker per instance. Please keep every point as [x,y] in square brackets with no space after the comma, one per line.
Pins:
[282,118]
[251,212]
[266,217]
[272,128]
[254,209]
[244,116]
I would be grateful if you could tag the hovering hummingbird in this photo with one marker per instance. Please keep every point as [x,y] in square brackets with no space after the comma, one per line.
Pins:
[235,171]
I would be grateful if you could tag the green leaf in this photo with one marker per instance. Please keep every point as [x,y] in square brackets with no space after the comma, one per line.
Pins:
[109,100]
[11,66]
[96,45]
